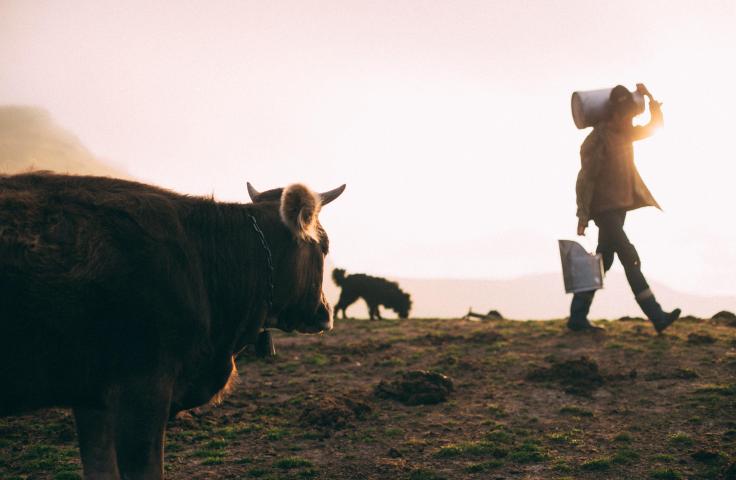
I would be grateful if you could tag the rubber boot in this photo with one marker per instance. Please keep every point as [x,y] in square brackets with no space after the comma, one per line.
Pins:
[659,318]
[579,309]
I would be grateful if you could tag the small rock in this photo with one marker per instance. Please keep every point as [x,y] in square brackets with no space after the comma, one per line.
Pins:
[334,413]
[577,377]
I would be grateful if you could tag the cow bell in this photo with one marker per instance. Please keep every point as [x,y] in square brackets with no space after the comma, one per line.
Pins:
[264,345]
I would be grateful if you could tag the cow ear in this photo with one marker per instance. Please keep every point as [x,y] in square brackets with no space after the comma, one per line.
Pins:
[299,210]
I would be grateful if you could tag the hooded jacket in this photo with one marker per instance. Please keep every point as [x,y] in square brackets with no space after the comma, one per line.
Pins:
[608,178]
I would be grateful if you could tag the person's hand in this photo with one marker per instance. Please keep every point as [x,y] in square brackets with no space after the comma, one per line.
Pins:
[641,88]
[581,229]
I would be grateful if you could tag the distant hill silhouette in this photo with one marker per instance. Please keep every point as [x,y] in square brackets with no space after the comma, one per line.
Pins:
[532,297]
[31,140]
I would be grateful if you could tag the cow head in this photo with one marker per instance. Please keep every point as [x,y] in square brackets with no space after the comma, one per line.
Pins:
[300,246]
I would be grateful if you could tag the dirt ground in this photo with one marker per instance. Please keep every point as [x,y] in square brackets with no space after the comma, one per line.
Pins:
[502,400]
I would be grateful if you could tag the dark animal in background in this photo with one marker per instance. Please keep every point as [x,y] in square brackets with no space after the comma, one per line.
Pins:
[374,290]
[128,303]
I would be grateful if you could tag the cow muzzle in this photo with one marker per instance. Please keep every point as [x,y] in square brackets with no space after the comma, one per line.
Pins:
[320,322]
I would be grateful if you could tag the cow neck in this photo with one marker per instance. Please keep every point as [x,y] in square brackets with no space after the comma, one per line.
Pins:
[269,262]
[233,258]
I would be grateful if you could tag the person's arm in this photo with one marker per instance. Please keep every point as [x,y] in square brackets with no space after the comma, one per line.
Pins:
[585,184]
[656,118]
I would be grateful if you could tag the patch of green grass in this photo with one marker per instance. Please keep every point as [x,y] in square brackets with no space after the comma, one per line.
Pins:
[483,466]
[681,439]
[665,474]
[422,474]
[67,475]
[499,436]
[292,462]
[623,437]
[496,410]
[214,460]
[244,461]
[216,444]
[472,449]
[709,457]
[45,457]
[207,453]
[528,452]
[390,362]
[625,456]
[317,359]
[393,432]
[258,472]
[563,438]
[172,447]
[663,457]
[562,466]
[596,464]
[725,390]
[276,433]
[574,411]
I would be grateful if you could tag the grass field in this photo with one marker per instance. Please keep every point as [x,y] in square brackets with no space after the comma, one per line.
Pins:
[529,400]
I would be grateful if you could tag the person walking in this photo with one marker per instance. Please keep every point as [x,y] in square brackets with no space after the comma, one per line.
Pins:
[608,186]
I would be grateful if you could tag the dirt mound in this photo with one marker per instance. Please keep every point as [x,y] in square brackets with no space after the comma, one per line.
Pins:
[333,413]
[631,319]
[417,387]
[576,377]
[724,317]
[700,338]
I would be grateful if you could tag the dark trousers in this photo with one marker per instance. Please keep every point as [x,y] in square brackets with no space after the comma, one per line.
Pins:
[613,240]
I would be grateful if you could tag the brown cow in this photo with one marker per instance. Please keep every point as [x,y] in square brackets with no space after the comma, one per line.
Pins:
[128,303]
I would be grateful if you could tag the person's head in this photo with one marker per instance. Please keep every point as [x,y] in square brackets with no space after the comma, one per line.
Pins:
[623,105]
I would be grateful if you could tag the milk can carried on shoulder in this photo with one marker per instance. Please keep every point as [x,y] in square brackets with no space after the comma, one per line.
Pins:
[592,106]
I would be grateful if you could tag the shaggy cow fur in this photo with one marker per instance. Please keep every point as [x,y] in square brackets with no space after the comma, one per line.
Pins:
[128,303]
[374,290]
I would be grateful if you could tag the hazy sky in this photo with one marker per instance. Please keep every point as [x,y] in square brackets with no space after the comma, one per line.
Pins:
[449,121]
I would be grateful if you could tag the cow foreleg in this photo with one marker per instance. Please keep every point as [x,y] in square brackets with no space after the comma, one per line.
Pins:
[141,420]
[96,433]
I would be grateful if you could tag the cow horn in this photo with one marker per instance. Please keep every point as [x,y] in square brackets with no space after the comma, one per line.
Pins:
[327,197]
[252,192]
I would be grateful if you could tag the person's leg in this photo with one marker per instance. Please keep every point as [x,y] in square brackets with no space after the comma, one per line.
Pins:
[579,308]
[632,266]
[606,223]
[581,302]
